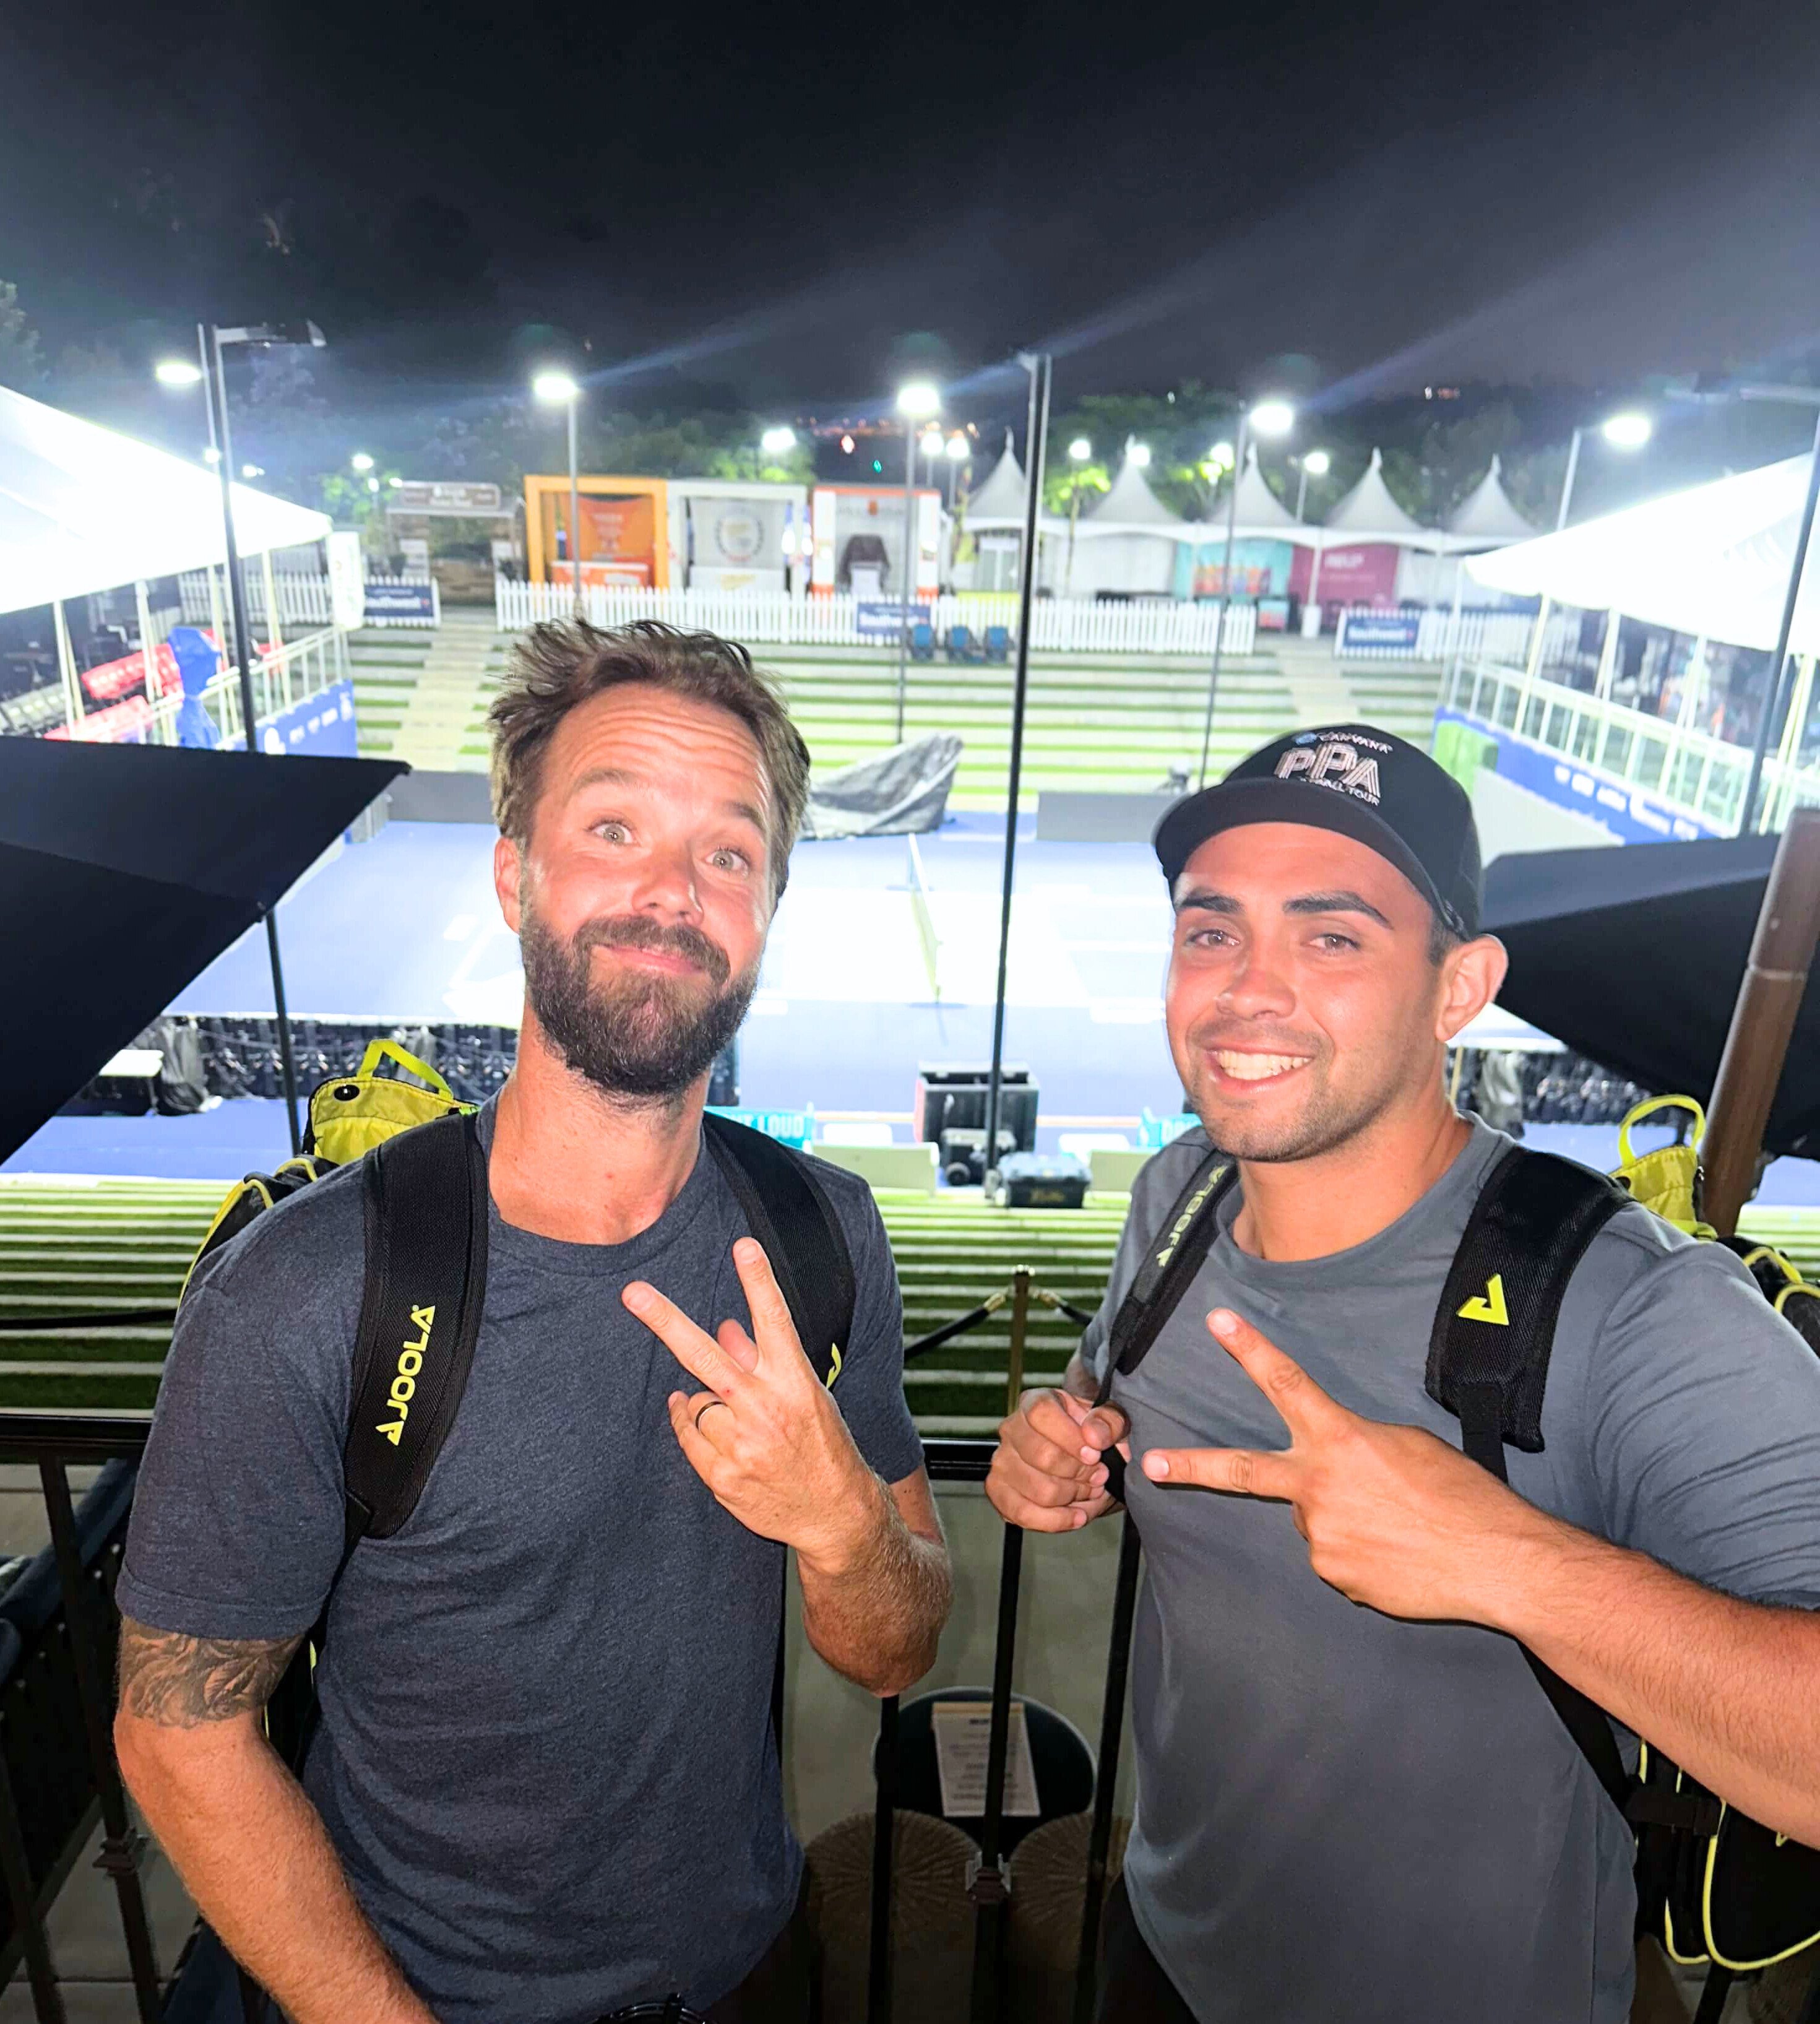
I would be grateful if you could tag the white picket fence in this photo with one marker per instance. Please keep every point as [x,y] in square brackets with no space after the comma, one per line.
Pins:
[1059,624]
[302,600]
[1436,633]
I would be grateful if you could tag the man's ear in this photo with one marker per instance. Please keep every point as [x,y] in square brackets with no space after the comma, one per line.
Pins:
[1471,977]
[508,870]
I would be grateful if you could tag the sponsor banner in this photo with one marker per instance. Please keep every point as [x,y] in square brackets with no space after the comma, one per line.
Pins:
[433,496]
[1366,574]
[321,726]
[347,570]
[400,603]
[792,1127]
[1631,816]
[883,618]
[1377,631]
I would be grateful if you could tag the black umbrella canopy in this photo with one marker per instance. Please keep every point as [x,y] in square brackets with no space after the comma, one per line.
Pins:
[1634,956]
[124,869]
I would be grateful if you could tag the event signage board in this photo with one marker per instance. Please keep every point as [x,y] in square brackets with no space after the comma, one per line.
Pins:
[1631,816]
[439,495]
[1377,631]
[883,618]
[322,726]
[346,572]
[400,604]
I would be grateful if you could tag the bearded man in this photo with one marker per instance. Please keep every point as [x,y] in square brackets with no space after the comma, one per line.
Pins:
[544,1785]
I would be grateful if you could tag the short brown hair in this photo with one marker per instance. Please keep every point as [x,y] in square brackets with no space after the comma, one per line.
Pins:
[561,663]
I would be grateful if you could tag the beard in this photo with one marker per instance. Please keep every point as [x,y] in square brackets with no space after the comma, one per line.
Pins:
[634,1035]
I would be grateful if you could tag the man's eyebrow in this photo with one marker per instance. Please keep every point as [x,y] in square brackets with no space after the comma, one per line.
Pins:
[620,776]
[1335,903]
[1203,899]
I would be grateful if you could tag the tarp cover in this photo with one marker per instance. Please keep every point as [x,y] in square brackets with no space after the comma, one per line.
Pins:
[1713,559]
[1634,958]
[123,870]
[83,508]
[903,790]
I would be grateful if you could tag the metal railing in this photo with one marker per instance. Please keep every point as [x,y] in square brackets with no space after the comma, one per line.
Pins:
[1685,769]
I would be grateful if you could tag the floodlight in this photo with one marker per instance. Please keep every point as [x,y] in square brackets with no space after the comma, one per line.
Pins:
[1139,454]
[557,388]
[1627,431]
[847,444]
[1080,449]
[177,373]
[931,444]
[396,484]
[777,442]
[917,398]
[372,485]
[1272,418]
[1221,454]
[211,455]
[959,449]
[1317,464]
[360,461]
[252,470]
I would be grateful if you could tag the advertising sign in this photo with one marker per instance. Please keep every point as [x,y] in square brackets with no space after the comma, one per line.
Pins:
[1377,631]
[883,618]
[1364,575]
[436,496]
[347,574]
[400,604]
[321,725]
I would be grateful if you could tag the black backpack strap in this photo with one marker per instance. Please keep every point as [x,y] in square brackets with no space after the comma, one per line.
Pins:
[787,1211]
[1488,1354]
[1175,1257]
[426,1286]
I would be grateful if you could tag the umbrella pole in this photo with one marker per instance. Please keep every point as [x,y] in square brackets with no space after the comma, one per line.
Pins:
[244,650]
[1763,1020]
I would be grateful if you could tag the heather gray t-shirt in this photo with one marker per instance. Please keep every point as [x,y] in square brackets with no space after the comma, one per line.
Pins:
[546,1754]
[1342,1815]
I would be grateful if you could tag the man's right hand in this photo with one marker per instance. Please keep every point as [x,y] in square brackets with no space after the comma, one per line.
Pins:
[1047,1474]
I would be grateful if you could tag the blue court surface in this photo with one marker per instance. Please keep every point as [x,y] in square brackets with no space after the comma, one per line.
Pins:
[870,969]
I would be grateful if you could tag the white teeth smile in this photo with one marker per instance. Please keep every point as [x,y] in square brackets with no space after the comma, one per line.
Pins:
[1258,1067]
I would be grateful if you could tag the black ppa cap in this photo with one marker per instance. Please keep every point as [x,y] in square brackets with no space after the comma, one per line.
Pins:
[1368,784]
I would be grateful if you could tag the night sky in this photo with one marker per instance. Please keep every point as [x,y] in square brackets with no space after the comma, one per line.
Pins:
[791,203]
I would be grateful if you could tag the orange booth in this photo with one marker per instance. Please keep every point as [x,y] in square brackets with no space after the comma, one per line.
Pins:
[625,532]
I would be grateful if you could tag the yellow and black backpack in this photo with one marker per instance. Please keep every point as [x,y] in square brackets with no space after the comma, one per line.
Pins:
[1714,1885]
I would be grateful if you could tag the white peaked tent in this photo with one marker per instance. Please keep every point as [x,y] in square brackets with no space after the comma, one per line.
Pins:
[1130,506]
[998,502]
[1368,513]
[83,508]
[1713,560]
[1127,539]
[1259,512]
[1487,514]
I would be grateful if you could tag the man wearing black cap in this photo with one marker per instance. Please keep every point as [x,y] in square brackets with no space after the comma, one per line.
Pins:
[1373,1812]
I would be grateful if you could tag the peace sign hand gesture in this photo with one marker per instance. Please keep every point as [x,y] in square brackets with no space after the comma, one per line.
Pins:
[1392,1517]
[764,1434]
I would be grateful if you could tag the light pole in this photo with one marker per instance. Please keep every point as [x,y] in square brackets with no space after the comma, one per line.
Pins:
[918,400]
[1317,464]
[560,390]
[212,340]
[1267,418]
[1629,431]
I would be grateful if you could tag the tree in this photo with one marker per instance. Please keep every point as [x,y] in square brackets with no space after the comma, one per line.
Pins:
[21,354]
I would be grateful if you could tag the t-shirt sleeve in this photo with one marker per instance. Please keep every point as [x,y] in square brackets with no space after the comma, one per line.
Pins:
[237,1522]
[1702,1418]
[869,1389]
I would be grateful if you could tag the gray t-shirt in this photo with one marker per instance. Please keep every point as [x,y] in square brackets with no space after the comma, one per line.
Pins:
[546,1754]
[1340,1814]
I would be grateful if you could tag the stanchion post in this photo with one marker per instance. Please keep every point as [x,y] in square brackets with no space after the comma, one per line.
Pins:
[1763,1020]
[884,1827]
[1106,1781]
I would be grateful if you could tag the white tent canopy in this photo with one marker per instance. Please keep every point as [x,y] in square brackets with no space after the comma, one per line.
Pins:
[1368,513]
[1486,511]
[1259,510]
[1712,560]
[1131,508]
[998,501]
[83,509]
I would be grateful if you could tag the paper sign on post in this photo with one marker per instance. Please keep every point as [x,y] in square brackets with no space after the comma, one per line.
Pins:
[963,1734]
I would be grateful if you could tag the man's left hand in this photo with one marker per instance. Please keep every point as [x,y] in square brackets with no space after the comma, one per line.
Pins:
[764,1435]
[1392,1517]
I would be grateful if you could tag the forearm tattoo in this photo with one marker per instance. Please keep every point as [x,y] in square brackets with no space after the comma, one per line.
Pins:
[181,1682]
